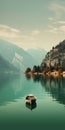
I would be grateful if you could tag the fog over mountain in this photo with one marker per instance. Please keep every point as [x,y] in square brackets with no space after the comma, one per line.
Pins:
[38,54]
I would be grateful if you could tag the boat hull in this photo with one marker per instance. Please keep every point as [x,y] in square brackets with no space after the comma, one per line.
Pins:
[31,101]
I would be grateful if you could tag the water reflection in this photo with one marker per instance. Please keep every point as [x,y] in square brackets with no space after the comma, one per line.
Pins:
[10,89]
[16,87]
[28,77]
[31,106]
[54,86]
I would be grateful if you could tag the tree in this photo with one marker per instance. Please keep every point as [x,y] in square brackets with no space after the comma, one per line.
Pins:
[35,68]
[28,70]
[53,48]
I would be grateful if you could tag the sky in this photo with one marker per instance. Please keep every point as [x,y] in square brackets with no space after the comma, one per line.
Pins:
[32,23]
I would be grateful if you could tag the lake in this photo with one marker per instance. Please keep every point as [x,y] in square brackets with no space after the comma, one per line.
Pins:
[47,113]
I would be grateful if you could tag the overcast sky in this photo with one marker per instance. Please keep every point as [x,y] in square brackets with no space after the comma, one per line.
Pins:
[32,23]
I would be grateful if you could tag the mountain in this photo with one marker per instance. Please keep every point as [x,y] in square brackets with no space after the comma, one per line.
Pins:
[38,54]
[56,56]
[61,47]
[16,55]
[6,67]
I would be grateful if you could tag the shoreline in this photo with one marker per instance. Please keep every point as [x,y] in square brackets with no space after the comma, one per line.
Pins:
[48,74]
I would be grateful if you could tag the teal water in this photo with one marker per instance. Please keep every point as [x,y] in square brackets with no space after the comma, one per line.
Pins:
[49,111]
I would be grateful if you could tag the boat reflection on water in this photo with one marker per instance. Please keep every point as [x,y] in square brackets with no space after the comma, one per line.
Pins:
[31,106]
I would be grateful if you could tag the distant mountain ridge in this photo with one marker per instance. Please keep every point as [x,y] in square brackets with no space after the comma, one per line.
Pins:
[38,54]
[5,66]
[15,55]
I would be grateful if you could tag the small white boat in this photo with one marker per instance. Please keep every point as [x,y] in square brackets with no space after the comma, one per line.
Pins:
[31,99]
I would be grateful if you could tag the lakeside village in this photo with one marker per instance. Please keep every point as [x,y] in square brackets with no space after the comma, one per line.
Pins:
[53,64]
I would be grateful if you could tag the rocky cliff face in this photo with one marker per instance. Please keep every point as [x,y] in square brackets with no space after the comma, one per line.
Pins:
[56,56]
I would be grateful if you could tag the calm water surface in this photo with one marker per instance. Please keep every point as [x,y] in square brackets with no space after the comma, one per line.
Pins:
[49,110]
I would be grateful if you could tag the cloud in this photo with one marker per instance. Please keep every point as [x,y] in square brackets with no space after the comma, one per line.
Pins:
[61,22]
[62,28]
[56,22]
[35,32]
[58,8]
[8,32]
[56,29]
[51,19]
[52,29]
[32,39]
[57,19]
[10,29]
[19,37]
